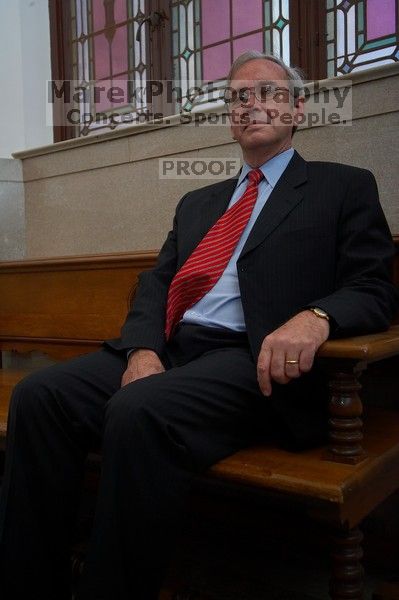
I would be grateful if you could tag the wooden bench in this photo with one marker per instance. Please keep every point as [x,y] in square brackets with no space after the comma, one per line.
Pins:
[66,306]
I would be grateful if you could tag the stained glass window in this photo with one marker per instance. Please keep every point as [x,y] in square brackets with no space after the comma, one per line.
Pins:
[207,36]
[361,34]
[105,51]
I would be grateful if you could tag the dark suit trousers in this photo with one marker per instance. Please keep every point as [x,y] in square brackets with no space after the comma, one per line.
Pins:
[156,435]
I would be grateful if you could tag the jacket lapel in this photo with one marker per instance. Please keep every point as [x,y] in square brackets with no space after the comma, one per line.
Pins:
[215,205]
[284,197]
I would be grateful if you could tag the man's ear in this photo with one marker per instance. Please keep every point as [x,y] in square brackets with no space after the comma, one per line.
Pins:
[299,105]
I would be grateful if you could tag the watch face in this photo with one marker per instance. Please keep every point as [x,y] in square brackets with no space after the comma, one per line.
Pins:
[320,312]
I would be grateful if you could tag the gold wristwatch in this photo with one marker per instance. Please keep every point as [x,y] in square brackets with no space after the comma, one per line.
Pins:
[319,312]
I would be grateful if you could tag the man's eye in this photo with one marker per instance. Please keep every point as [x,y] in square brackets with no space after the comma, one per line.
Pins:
[264,92]
[230,96]
[279,97]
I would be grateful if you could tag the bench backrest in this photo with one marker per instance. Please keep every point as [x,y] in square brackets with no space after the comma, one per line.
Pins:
[67,306]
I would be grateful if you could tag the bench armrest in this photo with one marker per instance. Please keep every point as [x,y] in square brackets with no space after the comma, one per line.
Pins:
[344,360]
[370,348]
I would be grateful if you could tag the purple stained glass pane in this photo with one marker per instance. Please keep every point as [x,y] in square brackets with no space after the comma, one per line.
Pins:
[121,96]
[120,11]
[215,21]
[249,42]
[119,51]
[247,16]
[380,18]
[98,14]
[101,57]
[103,96]
[114,89]
[216,62]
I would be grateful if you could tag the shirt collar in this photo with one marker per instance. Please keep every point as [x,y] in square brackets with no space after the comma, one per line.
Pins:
[272,169]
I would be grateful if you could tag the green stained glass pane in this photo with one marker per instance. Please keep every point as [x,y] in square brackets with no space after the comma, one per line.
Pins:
[360,40]
[378,43]
[176,73]
[280,24]
[198,36]
[330,51]
[186,54]
[198,73]
[330,4]
[175,44]
[191,69]
[330,68]
[276,44]
[330,26]
[267,14]
[197,12]
[175,17]
[268,41]
[183,70]
[360,16]
[182,27]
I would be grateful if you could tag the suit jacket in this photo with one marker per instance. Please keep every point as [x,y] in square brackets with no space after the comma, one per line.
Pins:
[320,240]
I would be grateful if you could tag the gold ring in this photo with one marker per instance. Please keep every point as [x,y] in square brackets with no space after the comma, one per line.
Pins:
[291,362]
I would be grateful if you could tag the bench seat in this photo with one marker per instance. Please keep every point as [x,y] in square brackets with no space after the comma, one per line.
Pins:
[341,492]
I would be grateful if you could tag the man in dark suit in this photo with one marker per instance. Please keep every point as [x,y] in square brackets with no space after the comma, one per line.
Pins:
[256,274]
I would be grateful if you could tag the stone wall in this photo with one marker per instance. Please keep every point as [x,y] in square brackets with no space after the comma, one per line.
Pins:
[12,210]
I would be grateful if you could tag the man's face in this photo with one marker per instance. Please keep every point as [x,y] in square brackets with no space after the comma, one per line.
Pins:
[266,120]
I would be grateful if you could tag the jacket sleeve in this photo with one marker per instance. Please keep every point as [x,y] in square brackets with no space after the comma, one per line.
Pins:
[365,300]
[145,323]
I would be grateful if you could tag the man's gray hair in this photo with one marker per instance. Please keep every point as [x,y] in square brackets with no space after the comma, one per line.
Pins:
[294,75]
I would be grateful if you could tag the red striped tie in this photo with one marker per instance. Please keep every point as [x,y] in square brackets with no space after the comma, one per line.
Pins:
[206,264]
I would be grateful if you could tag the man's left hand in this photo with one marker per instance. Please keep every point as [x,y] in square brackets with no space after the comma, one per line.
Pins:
[297,340]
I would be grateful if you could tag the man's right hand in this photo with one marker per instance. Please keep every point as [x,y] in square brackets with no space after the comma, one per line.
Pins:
[141,363]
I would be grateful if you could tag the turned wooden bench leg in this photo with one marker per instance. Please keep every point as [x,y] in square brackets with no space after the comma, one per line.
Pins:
[345,408]
[347,578]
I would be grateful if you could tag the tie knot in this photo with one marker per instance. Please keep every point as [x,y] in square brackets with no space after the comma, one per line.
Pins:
[255,176]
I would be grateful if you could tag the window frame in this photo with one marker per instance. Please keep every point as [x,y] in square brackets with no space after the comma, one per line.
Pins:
[61,61]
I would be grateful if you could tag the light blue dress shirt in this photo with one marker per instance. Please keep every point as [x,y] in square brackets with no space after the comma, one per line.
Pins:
[221,306]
